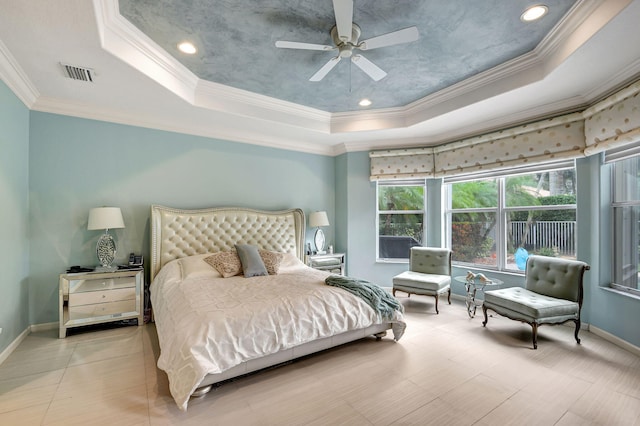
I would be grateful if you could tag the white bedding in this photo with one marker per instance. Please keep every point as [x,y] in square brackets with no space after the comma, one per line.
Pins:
[207,324]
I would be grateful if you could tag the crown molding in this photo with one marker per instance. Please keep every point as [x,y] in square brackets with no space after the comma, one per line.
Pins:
[125,41]
[15,78]
[227,99]
[93,112]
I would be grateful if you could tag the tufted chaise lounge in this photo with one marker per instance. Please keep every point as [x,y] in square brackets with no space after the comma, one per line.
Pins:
[429,273]
[552,295]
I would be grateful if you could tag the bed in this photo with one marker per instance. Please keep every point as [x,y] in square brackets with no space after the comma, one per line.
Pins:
[213,326]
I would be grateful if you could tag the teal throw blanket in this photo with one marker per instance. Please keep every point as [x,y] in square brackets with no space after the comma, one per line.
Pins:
[380,300]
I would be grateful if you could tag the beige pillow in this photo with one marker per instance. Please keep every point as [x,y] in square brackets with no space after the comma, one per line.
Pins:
[227,263]
[271,260]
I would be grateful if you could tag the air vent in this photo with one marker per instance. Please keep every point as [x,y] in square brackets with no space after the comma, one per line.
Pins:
[78,73]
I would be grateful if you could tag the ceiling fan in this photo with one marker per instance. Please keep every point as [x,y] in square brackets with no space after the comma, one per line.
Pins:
[345,34]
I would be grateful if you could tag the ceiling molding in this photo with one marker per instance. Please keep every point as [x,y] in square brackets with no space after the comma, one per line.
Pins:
[125,41]
[537,113]
[582,22]
[15,78]
[91,112]
[218,97]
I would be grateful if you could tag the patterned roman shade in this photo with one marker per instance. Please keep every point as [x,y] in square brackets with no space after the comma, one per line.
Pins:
[614,122]
[544,141]
[402,163]
[610,125]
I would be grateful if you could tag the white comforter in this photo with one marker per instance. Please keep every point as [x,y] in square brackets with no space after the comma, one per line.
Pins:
[207,324]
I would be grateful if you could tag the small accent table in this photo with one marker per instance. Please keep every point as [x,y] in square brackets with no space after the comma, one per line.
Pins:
[472,284]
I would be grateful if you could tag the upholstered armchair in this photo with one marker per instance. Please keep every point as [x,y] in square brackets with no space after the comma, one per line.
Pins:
[552,294]
[429,273]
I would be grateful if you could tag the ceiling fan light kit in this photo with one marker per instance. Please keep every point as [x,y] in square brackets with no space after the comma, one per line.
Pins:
[345,35]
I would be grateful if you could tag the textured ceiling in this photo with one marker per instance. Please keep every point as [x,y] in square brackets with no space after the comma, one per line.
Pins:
[236,44]
[240,87]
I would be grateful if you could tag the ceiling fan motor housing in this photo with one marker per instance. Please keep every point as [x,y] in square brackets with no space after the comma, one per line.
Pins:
[355,35]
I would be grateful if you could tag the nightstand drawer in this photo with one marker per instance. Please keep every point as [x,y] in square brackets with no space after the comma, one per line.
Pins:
[90,297]
[80,286]
[101,309]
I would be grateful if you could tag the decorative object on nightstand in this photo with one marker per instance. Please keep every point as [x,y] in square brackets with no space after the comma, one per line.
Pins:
[87,298]
[332,262]
[318,220]
[105,218]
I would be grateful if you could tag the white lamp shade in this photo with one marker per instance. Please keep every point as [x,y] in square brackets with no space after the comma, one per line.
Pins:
[105,218]
[318,219]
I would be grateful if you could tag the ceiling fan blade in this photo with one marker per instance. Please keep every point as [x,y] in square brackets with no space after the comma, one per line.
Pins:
[305,46]
[368,67]
[343,10]
[397,37]
[325,69]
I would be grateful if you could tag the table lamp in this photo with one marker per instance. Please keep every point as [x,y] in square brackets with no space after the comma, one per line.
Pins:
[317,220]
[105,218]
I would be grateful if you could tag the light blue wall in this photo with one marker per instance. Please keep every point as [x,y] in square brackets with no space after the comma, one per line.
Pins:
[55,168]
[14,200]
[612,312]
[77,164]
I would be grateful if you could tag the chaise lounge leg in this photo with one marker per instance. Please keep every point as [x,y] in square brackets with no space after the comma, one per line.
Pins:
[449,296]
[577,330]
[484,311]
[436,296]
[534,332]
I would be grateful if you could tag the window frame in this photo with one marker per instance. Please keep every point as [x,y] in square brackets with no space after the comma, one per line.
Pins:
[612,161]
[406,182]
[501,211]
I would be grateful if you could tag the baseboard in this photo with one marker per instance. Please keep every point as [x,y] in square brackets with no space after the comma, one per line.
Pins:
[44,327]
[615,340]
[13,345]
[16,342]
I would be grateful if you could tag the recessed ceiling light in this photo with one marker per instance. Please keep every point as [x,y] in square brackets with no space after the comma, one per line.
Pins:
[364,102]
[187,47]
[534,12]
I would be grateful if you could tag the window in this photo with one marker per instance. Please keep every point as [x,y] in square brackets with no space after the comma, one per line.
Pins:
[626,226]
[497,222]
[400,216]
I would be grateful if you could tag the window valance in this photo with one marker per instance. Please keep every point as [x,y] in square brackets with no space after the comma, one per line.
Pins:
[614,122]
[611,123]
[549,140]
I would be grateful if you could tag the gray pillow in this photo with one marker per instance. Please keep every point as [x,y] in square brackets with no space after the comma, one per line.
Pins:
[252,263]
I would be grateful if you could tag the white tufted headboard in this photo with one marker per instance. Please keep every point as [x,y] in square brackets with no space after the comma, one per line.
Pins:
[177,233]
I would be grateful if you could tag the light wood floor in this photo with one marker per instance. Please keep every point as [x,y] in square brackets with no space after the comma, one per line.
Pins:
[447,369]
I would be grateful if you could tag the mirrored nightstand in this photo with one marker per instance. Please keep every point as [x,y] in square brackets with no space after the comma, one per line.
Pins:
[334,262]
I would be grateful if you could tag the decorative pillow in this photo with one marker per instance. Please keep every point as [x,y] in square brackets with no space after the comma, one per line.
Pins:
[252,263]
[225,262]
[271,260]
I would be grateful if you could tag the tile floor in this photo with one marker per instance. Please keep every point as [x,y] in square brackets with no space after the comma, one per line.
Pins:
[447,369]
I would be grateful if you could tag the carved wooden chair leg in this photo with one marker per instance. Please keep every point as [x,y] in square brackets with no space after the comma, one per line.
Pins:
[484,311]
[393,291]
[577,330]
[534,332]
[436,296]
[449,296]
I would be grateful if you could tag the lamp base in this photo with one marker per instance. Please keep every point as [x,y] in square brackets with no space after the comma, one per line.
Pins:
[106,251]
[105,269]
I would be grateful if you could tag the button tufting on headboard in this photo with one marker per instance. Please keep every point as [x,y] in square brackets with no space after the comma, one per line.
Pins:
[178,233]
